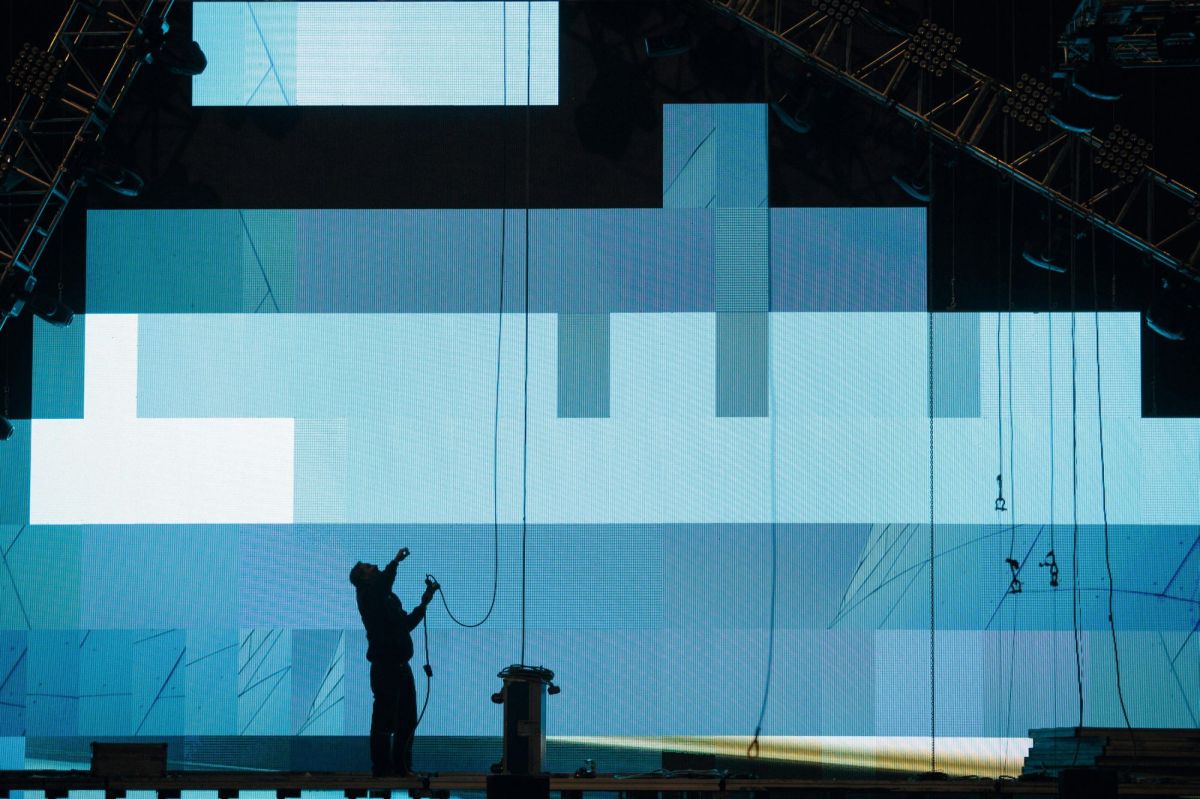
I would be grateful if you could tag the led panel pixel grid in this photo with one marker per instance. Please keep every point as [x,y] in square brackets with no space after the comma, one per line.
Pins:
[373,53]
[292,391]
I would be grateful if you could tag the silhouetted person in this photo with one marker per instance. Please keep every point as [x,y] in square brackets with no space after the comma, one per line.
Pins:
[389,648]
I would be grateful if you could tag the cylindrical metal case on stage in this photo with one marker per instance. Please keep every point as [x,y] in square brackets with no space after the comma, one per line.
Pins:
[524,699]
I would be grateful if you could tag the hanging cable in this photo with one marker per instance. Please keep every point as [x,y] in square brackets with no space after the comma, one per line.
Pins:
[1075,458]
[525,391]
[1112,627]
[772,411]
[499,342]
[932,606]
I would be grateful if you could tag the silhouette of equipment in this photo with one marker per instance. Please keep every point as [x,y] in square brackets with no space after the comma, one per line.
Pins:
[524,698]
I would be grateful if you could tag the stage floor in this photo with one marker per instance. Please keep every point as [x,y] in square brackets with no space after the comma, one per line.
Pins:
[59,784]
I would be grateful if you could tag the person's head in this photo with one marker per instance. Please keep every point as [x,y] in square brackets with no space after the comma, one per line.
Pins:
[363,573]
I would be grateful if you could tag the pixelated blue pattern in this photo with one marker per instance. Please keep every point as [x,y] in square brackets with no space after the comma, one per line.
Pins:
[367,53]
[14,471]
[583,366]
[59,370]
[40,577]
[14,654]
[682,360]
[955,365]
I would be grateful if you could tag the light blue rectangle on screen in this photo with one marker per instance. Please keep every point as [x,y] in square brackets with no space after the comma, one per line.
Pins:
[371,53]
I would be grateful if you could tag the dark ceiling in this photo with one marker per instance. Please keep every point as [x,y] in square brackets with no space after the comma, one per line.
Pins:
[601,147]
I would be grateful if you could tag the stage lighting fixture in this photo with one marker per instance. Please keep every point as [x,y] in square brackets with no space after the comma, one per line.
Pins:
[6,429]
[1124,154]
[1171,311]
[916,182]
[1030,102]
[1051,251]
[105,172]
[18,293]
[932,48]
[35,71]
[794,109]
[668,43]
[49,309]
[1043,258]
[841,11]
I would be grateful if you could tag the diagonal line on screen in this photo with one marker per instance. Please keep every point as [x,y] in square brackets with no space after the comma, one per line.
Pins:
[13,543]
[329,670]
[683,168]
[282,673]
[258,259]
[263,659]
[1182,693]
[267,50]
[252,686]
[16,591]
[322,713]
[258,86]
[1182,563]
[13,669]
[210,654]
[161,688]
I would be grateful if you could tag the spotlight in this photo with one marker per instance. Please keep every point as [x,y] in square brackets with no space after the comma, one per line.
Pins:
[1030,102]
[1124,154]
[1170,312]
[794,109]
[112,176]
[19,294]
[932,48]
[916,182]
[1052,251]
[841,11]
[35,71]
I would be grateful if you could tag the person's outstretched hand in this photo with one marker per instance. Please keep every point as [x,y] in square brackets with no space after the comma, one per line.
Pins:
[431,587]
[402,554]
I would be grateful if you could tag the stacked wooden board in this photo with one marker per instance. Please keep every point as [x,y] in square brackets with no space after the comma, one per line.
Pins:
[1147,751]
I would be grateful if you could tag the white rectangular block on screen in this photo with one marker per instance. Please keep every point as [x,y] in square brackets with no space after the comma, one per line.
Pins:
[377,53]
[112,468]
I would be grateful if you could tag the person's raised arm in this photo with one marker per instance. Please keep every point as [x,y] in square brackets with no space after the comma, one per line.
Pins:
[388,575]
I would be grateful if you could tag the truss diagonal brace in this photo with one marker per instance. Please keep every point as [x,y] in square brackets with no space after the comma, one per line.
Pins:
[988,94]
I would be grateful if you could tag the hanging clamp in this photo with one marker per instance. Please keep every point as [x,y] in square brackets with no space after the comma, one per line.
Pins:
[1000,503]
[1053,564]
[1014,587]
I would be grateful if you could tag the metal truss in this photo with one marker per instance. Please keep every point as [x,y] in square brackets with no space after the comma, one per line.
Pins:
[1103,180]
[70,96]
[1133,33]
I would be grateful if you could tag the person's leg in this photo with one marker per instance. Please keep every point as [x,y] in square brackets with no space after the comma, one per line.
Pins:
[406,719]
[383,717]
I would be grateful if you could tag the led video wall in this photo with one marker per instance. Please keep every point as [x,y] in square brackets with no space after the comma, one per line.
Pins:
[377,53]
[258,399]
